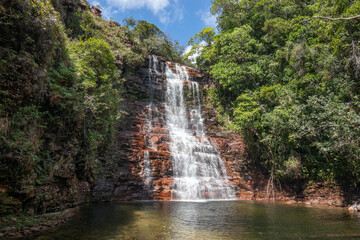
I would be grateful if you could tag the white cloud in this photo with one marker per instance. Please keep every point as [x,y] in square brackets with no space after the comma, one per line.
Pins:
[208,19]
[167,10]
[108,12]
[164,17]
[173,14]
[154,5]
[95,3]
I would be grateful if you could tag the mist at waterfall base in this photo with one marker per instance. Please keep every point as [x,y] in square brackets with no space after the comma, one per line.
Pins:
[210,220]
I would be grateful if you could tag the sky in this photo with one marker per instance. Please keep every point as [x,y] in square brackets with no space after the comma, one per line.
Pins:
[181,19]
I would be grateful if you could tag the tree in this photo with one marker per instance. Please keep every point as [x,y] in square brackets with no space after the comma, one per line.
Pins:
[291,88]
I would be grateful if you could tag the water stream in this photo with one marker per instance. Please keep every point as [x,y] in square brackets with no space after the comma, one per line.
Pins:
[199,173]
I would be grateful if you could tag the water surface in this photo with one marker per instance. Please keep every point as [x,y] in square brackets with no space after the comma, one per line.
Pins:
[206,220]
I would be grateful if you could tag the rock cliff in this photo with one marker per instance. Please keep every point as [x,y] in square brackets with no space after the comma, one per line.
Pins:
[125,175]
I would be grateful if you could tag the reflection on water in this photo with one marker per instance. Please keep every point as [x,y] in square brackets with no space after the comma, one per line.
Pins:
[206,220]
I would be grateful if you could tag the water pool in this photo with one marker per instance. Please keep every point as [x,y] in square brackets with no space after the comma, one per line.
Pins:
[206,220]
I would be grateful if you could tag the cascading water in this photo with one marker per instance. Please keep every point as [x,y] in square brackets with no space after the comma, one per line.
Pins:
[198,170]
[147,168]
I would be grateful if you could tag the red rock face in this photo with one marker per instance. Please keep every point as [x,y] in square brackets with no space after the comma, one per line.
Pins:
[194,74]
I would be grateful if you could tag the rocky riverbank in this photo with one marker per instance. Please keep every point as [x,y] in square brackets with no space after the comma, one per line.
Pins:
[12,227]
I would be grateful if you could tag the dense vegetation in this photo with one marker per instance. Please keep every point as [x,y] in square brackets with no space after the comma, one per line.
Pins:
[289,81]
[62,72]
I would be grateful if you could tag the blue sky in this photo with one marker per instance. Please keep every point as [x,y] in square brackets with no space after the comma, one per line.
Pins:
[181,19]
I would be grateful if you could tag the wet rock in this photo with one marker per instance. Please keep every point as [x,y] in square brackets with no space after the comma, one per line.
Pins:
[290,202]
[9,229]
[35,229]
[355,206]
[14,234]
[64,171]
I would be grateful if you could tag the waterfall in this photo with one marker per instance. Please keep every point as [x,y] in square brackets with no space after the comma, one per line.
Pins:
[179,160]
[147,168]
[198,171]
[153,62]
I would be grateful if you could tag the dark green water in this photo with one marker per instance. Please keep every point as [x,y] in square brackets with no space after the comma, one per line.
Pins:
[207,220]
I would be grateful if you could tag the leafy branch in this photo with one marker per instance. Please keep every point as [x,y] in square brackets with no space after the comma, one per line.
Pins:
[332,19]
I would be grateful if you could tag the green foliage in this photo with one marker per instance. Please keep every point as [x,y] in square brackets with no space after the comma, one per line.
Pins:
[130,22]
[59,96]
[144,30]
[94,63]
[206,36]
[97,86]
[34,40]
[62,71]
[152,40]
[290,86]
[201,45]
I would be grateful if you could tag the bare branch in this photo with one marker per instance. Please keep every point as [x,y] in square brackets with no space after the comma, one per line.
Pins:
[332,19]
